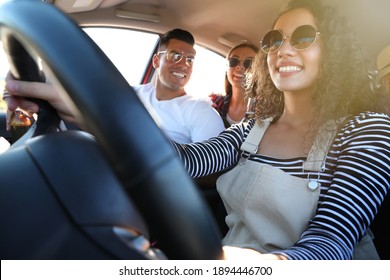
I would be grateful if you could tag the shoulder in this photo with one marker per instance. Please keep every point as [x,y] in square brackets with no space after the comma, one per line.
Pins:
[195,102]
[215,96]
[220,102]
[218,99]
[144,88]
[367,120]
[366,127]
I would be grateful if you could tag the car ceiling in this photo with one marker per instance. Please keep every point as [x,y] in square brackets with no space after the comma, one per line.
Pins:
[219,24]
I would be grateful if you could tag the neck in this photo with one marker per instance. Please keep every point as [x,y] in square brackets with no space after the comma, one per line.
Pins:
[238,97]
[165,93]
[237,105]
[297,109]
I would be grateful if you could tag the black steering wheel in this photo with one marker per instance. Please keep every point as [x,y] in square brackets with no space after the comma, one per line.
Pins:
[138,152]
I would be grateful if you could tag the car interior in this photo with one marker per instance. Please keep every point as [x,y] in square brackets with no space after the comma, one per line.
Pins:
[52,204]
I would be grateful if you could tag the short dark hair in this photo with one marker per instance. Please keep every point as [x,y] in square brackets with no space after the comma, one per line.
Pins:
[178,34]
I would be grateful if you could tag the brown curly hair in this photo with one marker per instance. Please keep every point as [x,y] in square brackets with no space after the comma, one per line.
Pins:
[344,86]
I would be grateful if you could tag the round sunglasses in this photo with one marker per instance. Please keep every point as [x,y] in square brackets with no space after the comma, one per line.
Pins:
[234,61]
[302,38]
[175,57]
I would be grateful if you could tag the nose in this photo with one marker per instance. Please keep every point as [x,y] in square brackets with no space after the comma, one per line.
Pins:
[286,48]
[184,61]
[240,64]
[188,63]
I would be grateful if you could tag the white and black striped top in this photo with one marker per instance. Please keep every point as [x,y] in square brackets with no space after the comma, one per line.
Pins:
[353,185]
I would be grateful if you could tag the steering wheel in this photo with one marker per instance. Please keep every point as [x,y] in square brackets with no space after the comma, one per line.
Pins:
[138,152]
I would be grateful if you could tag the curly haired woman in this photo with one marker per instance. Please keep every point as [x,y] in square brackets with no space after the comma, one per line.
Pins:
[312,170]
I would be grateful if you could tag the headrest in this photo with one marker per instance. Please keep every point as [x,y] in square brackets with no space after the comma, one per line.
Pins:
[383,62]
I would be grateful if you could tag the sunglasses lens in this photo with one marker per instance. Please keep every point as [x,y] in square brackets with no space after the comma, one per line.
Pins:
[190,60]
[247,63]
[272,41]
[303,37]
[174,57]
[233,61]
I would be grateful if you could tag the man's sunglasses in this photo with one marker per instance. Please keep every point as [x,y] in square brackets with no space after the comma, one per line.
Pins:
[234,61]
[301,39]
[175,57]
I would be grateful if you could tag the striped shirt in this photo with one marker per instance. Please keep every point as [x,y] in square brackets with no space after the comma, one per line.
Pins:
[354,183]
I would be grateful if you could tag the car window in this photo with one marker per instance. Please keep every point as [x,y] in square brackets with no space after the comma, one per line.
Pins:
[131,50]
[208,73]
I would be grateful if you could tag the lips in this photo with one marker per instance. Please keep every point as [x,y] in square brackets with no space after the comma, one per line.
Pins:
[240,76]
[179,75]
[289,69]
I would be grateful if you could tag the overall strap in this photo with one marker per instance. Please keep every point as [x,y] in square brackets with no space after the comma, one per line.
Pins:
[316,159]
[252,141]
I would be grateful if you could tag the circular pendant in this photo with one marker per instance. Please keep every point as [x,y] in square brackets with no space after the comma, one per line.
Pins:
[313,185]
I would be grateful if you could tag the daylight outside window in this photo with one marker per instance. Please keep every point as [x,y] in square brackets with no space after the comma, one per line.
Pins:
[131,50]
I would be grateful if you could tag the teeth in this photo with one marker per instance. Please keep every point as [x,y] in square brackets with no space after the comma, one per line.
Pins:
[289,69]
[178,75]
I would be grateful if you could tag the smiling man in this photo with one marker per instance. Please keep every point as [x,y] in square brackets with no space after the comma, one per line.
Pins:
[182,117]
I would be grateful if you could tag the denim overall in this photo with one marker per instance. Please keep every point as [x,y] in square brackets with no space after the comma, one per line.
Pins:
[268,209]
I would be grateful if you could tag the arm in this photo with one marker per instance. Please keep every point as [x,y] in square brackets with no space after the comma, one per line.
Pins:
[214,155]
